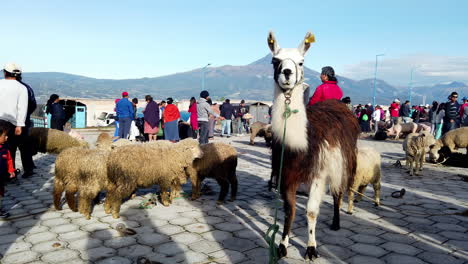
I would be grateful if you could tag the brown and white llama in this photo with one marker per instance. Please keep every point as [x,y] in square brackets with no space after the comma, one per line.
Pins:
[320,144]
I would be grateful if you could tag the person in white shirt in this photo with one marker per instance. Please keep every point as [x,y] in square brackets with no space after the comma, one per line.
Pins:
[376,117]
[13,104]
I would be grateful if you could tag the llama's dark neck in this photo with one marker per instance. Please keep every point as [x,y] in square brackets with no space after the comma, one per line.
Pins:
[296,135]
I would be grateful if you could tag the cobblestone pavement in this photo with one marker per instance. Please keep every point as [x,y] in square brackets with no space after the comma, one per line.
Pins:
[420,228]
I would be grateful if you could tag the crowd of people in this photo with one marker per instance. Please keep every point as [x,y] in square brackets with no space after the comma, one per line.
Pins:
[163,120]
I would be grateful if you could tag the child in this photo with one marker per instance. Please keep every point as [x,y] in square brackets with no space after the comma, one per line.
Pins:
[6,164]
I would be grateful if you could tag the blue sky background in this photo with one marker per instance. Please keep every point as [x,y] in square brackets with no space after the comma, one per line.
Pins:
[134,39]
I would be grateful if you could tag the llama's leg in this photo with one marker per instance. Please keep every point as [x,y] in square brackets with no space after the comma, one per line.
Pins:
[71,200]
[233,182]
[58,190]
[224,184]
[289,199]
[317,189]
[336,212]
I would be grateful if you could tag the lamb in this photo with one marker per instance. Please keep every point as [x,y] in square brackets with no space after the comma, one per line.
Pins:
[399,127]
[368,171]
[219,162]
[103,139]
[416,148]
[164,165]
[54,141]
[262,130]
[450,142]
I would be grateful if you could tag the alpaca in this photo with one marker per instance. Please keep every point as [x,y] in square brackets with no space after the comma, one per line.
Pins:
[320,145]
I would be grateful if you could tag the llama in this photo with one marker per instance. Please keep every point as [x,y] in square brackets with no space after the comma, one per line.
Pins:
[320,145]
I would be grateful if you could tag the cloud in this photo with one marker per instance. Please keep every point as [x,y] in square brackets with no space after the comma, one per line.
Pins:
[428,69]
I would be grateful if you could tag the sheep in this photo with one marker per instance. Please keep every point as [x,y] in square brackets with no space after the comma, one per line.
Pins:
[450,141]
[423,127]
[262,130]
[103,138]
[142,165]
[398,128]
[416,148]
[368,171]
[219,162]
[54,141]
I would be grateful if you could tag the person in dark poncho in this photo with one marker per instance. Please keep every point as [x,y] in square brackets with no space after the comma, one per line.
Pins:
[57,119]
[151,116]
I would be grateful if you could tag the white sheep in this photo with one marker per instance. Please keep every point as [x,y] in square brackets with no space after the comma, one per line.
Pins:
[368,171]
[450,142]
[399,127]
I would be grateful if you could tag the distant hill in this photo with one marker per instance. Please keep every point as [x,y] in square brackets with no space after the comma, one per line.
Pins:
[253,82]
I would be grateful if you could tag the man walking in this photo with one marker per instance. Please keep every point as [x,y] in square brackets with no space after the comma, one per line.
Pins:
[203,111]
[227,111]
[124,111]
[13,105]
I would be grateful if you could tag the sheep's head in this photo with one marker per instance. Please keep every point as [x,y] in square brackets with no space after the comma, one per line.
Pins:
[288,64]
[193,146]
[434,151]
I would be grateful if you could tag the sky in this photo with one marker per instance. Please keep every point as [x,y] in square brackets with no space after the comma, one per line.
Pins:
[133,39]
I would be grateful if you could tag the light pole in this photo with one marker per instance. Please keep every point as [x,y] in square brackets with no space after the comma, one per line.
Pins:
[203,76]
[411,83]
[375,77]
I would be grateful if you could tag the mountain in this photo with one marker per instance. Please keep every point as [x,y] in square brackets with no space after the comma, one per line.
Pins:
[253,82]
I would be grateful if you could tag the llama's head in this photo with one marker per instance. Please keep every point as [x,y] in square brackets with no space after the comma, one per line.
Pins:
[289,63]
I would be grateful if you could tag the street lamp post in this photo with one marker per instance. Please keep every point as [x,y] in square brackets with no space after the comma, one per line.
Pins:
[375,78]
[203,76]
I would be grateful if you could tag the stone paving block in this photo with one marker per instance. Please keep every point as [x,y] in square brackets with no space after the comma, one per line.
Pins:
[106,234]
[49,246]
[343,232]
[238,244]
[8,248]
[227,256]
[84,244]
[454,235]
[198,228]
[98,253]
[394,258]
[182,221]
[95,227]
[449,227]
[115,260]
[171,249]
[368,250]
[205,246]
[364,260]
[135,251]
[21,257]
[55,222]
[406,239]
[60,256]
[248,234]
[186,238]
[401,248]
[445,219]
[171,230]
[74,235]
[195,257]
[367,239]
[338,241]
[229,227]
[5,230]
[24,223]
[41,237]
[152,239]
[211,220]
[217,235]
[458,244]
[435,258]
[64,228]
[119,242]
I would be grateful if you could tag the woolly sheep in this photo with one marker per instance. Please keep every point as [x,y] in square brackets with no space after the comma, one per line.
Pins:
[143,165]
[398,128]
[423,127]
[450,142]
[219,162]
[54,141]
[103,139]
[368,171]
[262,130]
[416,148]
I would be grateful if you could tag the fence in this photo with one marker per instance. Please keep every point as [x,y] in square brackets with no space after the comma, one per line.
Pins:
[38,121]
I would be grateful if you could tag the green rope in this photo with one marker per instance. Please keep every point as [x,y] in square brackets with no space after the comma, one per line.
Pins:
[270,238]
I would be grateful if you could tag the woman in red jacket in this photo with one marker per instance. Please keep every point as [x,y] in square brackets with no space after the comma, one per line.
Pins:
[171,120]
[328,89]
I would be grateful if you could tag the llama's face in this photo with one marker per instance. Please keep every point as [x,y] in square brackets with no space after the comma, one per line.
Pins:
[288,64]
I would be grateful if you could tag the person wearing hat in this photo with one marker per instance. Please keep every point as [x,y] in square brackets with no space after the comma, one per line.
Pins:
[452,114]
[464,112]
[395,110]
[125,114]
[328,89]
[13,104]
[171,121]
[203,112]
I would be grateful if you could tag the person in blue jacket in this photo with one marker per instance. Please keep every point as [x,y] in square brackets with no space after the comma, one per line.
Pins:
[56,111]
[125,114]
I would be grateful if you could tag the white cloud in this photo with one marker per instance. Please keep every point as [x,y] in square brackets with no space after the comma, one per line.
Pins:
[429,69]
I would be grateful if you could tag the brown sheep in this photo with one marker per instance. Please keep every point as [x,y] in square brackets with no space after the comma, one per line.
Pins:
[54,141]
[143,165]
[262,130]
[219,162]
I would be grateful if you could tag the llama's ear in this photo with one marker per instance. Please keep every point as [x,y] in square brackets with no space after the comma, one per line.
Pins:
[274,47]
[305,45]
